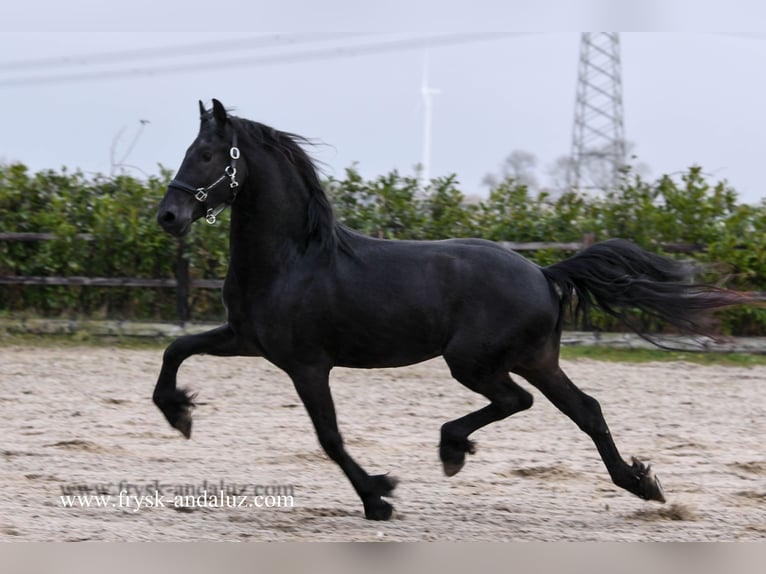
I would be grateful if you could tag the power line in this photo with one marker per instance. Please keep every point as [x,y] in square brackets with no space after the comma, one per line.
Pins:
[171,51]
[344,51]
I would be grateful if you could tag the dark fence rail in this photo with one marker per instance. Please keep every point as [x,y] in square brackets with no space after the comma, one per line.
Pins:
[183,283]
[77,281]
[24,236]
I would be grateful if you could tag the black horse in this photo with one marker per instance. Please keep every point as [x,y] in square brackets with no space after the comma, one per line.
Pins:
[308,294]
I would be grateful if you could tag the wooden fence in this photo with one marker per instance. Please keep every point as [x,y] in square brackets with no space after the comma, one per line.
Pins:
[184,284]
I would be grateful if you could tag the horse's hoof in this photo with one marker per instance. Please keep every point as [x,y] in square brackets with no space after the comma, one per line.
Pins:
[184,424]
[179,411]
[453,456]
[452,468]
[378,509]
[648,484]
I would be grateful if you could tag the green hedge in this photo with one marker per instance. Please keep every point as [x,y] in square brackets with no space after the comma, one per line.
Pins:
[120,213]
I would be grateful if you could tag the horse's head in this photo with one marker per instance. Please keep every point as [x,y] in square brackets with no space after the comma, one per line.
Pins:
[208,179]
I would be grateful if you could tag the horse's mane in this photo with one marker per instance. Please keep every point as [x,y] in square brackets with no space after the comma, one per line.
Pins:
[322,227]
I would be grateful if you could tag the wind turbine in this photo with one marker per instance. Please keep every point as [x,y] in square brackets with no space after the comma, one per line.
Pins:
[428,93]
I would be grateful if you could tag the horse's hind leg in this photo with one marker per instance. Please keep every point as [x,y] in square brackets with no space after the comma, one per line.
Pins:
[506,398]
[585,411]
[314,390]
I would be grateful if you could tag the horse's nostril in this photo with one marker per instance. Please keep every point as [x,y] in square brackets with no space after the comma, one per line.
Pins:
[169,221]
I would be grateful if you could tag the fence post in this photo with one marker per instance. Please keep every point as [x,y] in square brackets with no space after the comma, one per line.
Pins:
[182,283]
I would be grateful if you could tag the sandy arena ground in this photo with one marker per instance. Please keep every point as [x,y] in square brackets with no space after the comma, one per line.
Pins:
[83,418]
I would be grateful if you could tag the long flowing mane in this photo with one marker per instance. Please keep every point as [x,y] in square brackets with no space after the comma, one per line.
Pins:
[322,227]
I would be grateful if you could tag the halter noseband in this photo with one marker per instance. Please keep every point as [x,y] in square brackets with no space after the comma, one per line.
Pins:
[201,193]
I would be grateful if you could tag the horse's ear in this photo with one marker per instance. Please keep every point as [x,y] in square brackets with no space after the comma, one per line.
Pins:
[202,110]
[219,113]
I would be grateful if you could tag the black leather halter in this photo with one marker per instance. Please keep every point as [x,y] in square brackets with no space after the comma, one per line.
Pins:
[201,193]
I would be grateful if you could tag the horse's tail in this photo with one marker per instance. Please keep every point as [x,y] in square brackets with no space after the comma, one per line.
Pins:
[617,275]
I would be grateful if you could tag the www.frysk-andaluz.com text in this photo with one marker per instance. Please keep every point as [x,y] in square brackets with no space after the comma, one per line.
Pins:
[140,495]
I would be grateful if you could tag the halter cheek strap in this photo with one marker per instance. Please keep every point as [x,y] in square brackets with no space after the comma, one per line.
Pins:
[201,193]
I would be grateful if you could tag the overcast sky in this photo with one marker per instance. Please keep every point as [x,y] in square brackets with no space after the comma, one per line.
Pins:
[78,78]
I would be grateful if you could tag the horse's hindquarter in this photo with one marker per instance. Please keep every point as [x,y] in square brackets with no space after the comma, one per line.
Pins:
[401,302]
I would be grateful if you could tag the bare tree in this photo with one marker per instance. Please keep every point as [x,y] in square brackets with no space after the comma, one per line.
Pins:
[120,163]
[520,166]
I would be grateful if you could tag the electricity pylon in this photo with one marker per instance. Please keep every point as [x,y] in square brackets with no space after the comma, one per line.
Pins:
[598,136]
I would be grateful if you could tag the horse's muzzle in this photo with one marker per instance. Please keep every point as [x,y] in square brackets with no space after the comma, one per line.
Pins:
[171,223]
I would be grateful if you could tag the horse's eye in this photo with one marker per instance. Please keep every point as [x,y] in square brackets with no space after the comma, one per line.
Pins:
[207,156]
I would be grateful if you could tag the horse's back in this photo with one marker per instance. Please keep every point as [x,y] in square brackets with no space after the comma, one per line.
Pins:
[454,268]
[412,300]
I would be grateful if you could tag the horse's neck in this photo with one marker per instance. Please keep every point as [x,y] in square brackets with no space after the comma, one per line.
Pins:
[268,228]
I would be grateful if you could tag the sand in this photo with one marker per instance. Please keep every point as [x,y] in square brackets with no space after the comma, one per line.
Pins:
[80,421]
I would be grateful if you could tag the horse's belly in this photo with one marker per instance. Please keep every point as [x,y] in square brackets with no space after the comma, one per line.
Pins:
[397,358]
[386,347]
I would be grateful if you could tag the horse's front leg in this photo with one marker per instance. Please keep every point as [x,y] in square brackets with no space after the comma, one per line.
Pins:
[313,387]
[176,404]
